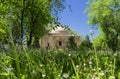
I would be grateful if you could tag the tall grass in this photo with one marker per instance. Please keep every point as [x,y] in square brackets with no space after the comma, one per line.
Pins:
[38,64]
[34,63]
[96,58]
[14,51]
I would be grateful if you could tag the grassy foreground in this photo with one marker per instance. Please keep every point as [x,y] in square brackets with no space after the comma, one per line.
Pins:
[58,64]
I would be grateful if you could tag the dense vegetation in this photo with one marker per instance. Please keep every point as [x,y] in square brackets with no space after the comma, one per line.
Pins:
[105,15]
[59,64]
[23,22]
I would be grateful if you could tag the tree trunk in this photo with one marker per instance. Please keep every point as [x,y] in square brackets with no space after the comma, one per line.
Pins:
[22,21]
[36,42]
[30,39]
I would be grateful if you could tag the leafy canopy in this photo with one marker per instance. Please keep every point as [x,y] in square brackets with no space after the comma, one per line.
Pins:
[105,14]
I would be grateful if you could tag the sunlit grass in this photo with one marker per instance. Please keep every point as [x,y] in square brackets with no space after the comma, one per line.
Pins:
[28,63]
[39,64]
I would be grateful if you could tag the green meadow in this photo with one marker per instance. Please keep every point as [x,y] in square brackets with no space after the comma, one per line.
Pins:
[24,22]
[59,64]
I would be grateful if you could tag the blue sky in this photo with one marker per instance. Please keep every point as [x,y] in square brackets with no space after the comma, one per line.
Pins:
[77,19]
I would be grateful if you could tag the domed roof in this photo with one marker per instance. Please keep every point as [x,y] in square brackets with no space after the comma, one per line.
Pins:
[60,31]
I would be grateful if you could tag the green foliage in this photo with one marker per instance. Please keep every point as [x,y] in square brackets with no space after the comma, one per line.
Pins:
[2,35]
[100,42]
[38,64]
[38,14]
[71,45]
[28,18]
[2,23]
[86,44]
[105,15]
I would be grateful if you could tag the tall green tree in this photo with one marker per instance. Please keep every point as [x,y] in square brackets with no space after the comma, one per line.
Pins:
[100,42]
[24,16]
[40,15]
[29,18]
[105,14]
[71,44]
[86,43]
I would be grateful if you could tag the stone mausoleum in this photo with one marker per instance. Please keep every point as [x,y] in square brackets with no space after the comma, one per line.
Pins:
[57,39]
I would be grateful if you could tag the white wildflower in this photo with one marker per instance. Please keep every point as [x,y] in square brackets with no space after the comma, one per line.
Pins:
[65,75]
[94,70]
[9,68]
[41,65]
[77,66]
[112,77]
[69,55]
[95,73]
[102,73]
[115,54]
[34,73]
[95,77]
[90,62]
[107,58]
[43,75]
[84,64]
[59,75]
[99,69]
[89,76]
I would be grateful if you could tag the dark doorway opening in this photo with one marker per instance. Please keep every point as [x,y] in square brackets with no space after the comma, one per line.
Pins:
[48,44]
[60,43]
